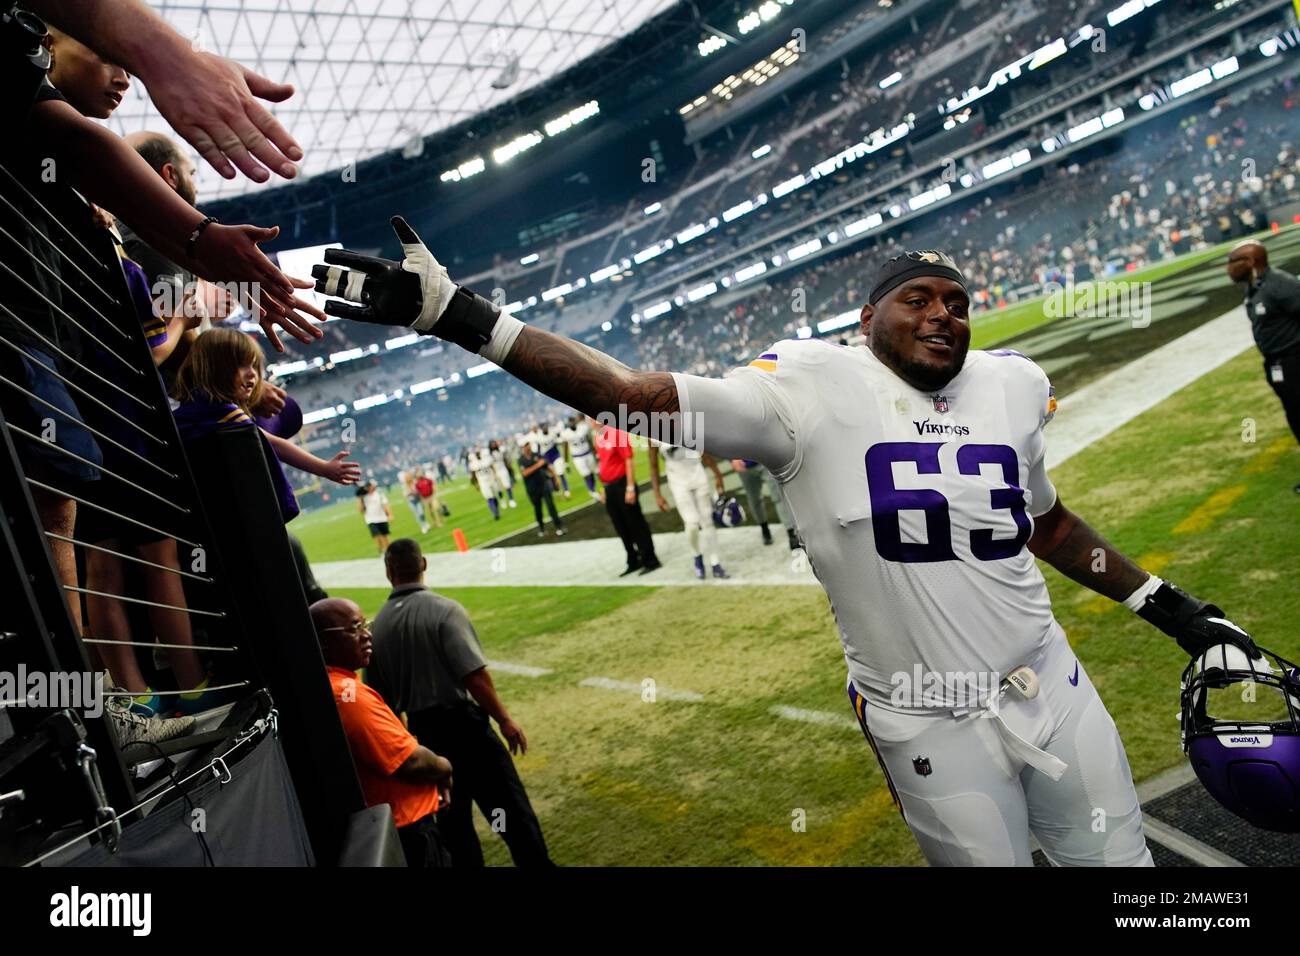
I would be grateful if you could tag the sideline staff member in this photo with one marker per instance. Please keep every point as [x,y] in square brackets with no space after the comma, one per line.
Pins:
[1273,305]
[392,766]
[428,662]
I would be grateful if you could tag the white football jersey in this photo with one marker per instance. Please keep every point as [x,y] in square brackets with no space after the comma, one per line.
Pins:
[914,508]
[578,439]
[683,466]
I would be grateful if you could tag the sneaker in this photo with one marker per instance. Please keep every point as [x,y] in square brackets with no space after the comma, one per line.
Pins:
[424,530]
[699,566]
[513,503]
[541,532]
[133,728]
[794,542]
[767,535]
[652,565]
[719,573]
[559,532]
[568,494]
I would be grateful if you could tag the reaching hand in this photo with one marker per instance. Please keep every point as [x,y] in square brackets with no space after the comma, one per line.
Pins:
[343,472]
[231,254]
[272,402]
[412,293]
[213,103]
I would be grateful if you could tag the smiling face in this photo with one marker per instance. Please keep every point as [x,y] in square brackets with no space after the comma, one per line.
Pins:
[92,85]
[921,330]
[246,379]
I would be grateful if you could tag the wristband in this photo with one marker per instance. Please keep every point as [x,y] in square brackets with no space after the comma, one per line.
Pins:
[1135,601]
[198,231]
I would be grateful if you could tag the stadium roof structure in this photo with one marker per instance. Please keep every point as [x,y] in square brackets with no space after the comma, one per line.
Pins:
[379,75]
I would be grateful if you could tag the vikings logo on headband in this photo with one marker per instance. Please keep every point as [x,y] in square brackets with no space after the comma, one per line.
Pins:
[909,265]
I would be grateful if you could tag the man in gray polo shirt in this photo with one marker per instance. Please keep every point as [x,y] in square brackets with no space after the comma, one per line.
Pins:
[428,663]
[1273,305]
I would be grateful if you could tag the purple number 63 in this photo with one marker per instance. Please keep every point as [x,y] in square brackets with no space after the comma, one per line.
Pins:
[887,501]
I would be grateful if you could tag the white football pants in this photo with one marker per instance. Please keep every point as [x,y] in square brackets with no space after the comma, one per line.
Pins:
[970,798]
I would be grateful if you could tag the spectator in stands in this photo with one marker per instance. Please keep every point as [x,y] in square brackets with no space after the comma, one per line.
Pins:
[428,663]
[539,479]
[210,100]
[391,764]
[218,384]
[109,173]
[618,493]
[1273,307]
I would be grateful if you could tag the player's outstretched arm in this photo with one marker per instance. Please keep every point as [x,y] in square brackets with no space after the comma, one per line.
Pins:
[417,293]
[1069,544]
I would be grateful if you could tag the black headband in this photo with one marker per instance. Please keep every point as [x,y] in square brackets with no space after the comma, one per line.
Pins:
[909,265]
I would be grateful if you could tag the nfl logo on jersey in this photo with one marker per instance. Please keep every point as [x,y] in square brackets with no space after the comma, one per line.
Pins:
[940,402]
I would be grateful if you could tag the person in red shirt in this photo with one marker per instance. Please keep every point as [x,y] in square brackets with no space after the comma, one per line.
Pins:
[392,766]
[618,494]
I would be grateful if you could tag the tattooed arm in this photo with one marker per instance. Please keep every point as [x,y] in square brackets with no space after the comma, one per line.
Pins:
[1069,544]
[586,379]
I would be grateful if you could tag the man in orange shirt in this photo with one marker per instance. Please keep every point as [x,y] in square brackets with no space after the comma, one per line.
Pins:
[391,764]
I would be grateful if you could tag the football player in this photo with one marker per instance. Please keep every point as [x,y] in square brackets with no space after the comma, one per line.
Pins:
[914,472]
[693,495]
[577,436]
[480,466]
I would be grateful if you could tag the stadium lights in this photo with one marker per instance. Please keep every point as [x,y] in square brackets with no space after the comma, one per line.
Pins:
[1270,46]
[419,388]
[710,44]
[803,249]
[1046,54]
[693,231]
[738,210]
[1224,68]
[503,154]
[789,186]
[474,371]
[600,275]
[921,200]
[836,322]
[890,80]
[1189,83]
[606,326]
[653,208]
[471,167]
[402,341]
[658,309]
[750,271]
[1127,11]
[862,225]
[645,255]
[761,151]
[320,415]
[558,291]
[347,355]
[1008,163]
[361,404]
[529,259]
[287,368]
[572,118]
[702,292]
[756,18]
[804,332]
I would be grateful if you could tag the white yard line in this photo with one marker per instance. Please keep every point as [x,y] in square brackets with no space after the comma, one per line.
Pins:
[522,670]
[632,687]
[814,717]
[1084,417]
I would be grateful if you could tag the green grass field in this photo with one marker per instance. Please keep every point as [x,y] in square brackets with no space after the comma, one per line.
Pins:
[620,782]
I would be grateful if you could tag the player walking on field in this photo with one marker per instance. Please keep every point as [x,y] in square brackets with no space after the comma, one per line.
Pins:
[481,467]
[693,495]
[914,472]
